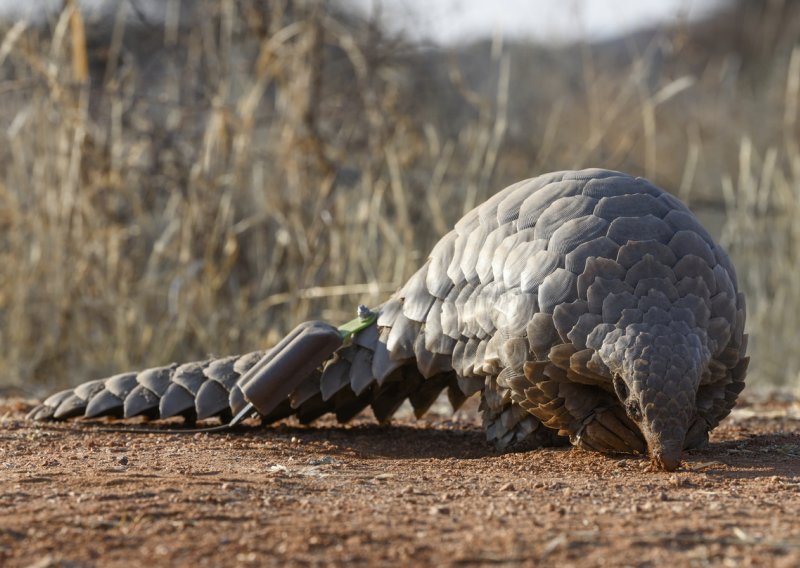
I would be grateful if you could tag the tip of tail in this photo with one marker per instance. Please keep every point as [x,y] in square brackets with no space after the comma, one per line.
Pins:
[41,413]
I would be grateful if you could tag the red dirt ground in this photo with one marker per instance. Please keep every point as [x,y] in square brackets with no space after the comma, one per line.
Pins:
[429,492]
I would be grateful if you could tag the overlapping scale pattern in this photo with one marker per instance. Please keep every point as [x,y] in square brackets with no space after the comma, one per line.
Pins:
[533,298]
[579,258]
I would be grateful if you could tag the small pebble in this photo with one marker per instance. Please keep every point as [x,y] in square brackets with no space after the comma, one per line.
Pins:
[327,460]
[676,481]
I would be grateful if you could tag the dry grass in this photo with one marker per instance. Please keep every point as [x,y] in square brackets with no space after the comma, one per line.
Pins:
[170,191]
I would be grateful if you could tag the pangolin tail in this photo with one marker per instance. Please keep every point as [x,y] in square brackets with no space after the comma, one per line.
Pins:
[359,373]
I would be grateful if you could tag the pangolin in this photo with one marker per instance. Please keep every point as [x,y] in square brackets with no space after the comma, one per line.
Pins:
[586,307]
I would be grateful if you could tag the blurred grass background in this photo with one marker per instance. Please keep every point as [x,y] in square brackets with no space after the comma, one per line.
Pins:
[199,182]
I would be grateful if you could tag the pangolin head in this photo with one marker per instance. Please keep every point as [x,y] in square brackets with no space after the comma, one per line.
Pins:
[657,384]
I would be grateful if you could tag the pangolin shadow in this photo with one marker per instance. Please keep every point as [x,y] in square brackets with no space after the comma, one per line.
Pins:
[400,441]
[756,456]
[751,457]
[393,441]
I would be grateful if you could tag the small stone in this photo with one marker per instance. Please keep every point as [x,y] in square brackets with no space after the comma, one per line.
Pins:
[507,487]
[48,561]
[123,460]
[327,460]
[439,510]
[676,481]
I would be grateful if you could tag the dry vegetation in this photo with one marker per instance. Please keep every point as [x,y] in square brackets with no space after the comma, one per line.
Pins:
[198,181]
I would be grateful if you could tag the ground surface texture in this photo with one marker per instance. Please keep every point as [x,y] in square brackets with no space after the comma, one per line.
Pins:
[425,492]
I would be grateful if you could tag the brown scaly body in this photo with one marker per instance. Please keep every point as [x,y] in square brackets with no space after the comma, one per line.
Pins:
[587,306]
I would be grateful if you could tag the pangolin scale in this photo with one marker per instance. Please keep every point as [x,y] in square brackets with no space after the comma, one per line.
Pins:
[587,306]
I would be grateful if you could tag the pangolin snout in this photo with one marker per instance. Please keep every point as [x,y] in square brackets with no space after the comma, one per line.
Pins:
[668,461]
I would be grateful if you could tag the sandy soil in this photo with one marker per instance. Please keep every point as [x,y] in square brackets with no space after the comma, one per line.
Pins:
[431,492]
